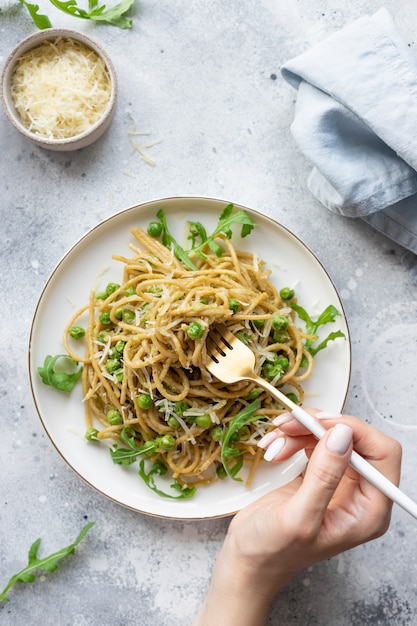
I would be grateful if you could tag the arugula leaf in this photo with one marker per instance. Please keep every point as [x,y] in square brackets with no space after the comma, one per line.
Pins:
[127,456]
[200,239]
[48,564]
[114,15]
[232,458]
[41,21]
[170,242]
[159,469]
[326,317]
[60,380]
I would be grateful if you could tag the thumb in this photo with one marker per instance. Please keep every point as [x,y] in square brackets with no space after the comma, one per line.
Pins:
[324,471]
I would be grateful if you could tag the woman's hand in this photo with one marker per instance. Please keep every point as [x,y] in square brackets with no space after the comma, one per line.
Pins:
[329,510]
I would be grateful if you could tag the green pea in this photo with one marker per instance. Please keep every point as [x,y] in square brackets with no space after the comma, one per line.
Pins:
[203,421]
[105,318]
[271,370]
[111,288]
[293,397]
[217,433]
[204,301]
[244,337]
[281,337]
[244,433]
[173,422]
[258,323]
[77,332]
[128,316]
[180,407]
[101,295]
[156,290]
[166,442]
[286,293]
[282,361]
[119,347]
[103,336]
[119,375]
[91,434]
[280,322]
[195,330]
[112,365]
[253,394]
[234,304]
[130,291]
[144,401]
[154,229]
[221,472]
[114,418]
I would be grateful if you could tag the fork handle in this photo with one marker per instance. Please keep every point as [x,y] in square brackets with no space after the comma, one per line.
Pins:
[363,467]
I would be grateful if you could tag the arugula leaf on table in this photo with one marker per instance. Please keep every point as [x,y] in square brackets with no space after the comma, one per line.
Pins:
[115,15]
[41,21]
[232,458]
[159,469]
[199,237]
[48,563]
[327,316]
[60,380]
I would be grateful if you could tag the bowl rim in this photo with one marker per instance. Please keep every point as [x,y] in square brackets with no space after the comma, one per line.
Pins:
[32,41]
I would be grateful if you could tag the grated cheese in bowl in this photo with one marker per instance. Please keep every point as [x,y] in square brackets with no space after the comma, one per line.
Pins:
[59,90]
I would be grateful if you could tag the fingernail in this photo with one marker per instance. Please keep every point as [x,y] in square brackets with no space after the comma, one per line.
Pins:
[274,449]
[326,415]
[282,419]
[267,439]
[339,439]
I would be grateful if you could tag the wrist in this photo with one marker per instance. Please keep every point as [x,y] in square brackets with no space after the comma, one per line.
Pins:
[240,593]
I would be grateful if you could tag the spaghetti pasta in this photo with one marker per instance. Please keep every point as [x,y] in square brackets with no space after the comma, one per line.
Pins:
[144,375]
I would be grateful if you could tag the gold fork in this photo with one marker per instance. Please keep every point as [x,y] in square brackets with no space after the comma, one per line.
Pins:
[230,360]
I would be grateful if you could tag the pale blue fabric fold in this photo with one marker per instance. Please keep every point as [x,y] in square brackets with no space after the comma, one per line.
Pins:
[356,122]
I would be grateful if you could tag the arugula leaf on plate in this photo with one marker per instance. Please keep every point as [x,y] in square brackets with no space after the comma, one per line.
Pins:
[231,457]
[61,380]
[199,237]
[326,317]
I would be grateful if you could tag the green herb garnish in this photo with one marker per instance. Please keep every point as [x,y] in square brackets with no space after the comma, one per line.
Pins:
[231,457]
[63,381]
[114,15]
[200,239]
[41,21]
[48,563]
[159,469]
[327,316]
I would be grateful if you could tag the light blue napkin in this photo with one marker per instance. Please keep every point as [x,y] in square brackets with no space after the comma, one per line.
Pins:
[356,122]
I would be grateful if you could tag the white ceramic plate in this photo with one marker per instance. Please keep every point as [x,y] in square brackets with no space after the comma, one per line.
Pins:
[68,288]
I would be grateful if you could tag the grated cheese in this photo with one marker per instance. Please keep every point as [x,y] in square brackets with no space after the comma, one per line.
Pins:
[60,88]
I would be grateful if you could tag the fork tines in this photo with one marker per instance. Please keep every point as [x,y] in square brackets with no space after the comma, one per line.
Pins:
[216,342]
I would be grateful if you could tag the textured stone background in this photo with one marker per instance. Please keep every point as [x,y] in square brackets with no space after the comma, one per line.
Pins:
[204,77]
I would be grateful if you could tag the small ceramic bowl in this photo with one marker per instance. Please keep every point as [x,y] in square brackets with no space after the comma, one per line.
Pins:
[89,134]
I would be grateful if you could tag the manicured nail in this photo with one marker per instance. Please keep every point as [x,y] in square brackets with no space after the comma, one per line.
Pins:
[327,415]
[282,419]
[267,439]
[274,449]
[339,439]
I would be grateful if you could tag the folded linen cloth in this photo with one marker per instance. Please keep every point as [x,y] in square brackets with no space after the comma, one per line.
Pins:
[356,122]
